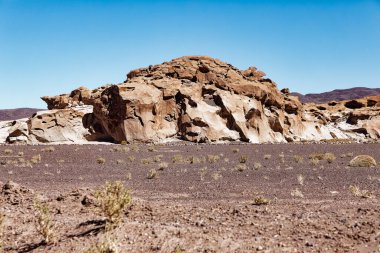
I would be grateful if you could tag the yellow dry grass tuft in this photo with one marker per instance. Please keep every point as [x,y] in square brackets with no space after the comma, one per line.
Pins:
[363,161]
[113,198]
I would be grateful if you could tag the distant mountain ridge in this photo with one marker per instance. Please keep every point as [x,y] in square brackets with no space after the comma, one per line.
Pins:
[19,113]
[337,95]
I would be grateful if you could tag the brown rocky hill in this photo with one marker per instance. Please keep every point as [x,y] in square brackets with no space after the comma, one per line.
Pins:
[197,99]
[19,113]
[338,95]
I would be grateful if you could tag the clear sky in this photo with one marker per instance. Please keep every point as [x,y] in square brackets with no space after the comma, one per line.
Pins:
[48,47]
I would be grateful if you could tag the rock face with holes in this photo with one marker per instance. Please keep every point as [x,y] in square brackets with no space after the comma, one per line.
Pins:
[198,99]
[355,119]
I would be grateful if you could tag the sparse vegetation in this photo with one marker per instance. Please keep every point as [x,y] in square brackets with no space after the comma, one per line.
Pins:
[163,166]
[314,161]
[106,245]
[203,172]
[300,179]
[329,157]
[216,176]
[298,158]
[363,161]
[36,159]
[260,200]
[48,149]
[100,160]
[243,159]
[44,223]
[151,174]
[113,198]
[355,190]
[212,158]
[8,151]
[267,156]
[297,193]
[257,166]
[241,167]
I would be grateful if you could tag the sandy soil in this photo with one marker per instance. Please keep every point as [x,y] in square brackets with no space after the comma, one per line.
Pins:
[201,198]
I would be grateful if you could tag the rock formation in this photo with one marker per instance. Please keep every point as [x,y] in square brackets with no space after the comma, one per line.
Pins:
[198,99]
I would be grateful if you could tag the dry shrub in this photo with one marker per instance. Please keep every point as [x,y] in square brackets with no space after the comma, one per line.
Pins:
[298,159]
[235,150]
[241,167]
[163,166]
[48,149]
[8,151]
[112,199]
[267,157]
[243,159]
[261,201]
[212,158]
[355,190]
[36,159]
[301,179]
[297,193]
[151,174]
[329,157]
[44,223]
[100,160]
[106,245]
[216,176]
[363,161]
[257,166]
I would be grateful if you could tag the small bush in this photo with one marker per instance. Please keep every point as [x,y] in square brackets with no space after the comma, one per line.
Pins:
[112,199]
[151,174]
[300,179]
[44,223]
[267,157]
[151,149]
[261,201]
[243,159]
[216,176]
[314,161]
[177,159]
[100,160]
[296,193]
[241,167]
[36,159]
[8,151]
[203,172]
[329,157]
[162,166]
[235,150]
[355,190]
[257,166]
[363,161]
[48,149]
[298,159]
[212,158]
[107,245]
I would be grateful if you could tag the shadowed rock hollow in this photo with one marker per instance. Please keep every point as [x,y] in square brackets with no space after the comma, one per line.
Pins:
[193,98]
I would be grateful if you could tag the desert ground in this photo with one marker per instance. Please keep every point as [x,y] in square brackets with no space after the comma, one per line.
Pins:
[194,198]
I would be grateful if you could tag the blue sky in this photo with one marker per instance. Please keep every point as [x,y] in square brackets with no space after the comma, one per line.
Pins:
[48,47]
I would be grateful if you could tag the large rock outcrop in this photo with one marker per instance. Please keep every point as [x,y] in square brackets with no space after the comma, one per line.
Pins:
[198,99]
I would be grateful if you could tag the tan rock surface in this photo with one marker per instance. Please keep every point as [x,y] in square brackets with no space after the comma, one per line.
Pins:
[199,99]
